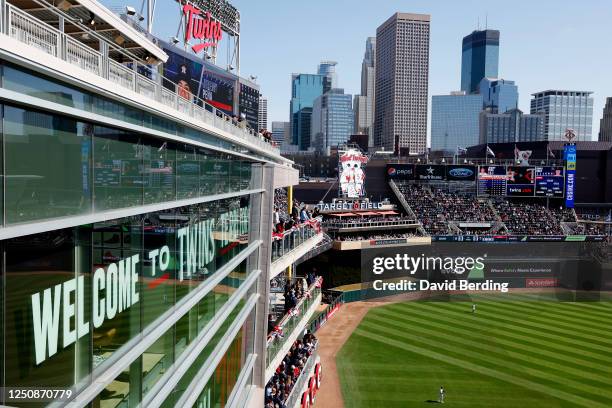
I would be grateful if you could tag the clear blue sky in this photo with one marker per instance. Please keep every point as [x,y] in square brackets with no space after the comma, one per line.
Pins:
[544,44]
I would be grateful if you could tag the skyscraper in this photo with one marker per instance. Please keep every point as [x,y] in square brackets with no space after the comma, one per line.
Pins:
[332,120]
[402,72]
[364,104]
[262,114]
[305,88]
[454,121]
[565,110]
[328,69]
[479,59]
[281,133]
[499,94]
[605,128]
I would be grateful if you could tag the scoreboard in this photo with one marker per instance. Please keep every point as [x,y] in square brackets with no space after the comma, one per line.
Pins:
[550,181]
[492,180]
[521,181]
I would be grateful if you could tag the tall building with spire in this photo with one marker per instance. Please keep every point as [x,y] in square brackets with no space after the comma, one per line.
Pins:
[479,59]
[364,103]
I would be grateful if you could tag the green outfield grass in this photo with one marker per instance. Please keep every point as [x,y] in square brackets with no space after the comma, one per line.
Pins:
[522,353]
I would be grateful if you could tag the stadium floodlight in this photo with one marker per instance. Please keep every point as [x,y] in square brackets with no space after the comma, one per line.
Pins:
[92,19]
[140,17]
[253,77]
[230,67]
[174,40]
[130,11]
[490,161]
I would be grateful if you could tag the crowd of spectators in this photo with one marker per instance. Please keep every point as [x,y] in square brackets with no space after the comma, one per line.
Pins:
[527,218]
[293,292]
[362,237]
[281,384]
[435,207]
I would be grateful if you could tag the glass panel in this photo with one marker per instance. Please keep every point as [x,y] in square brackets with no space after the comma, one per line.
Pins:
[159,172]
[157,359]
[124,391]
[46,319]
[187,172]
[118,164]
[117,260]
[159,264]
[47,166]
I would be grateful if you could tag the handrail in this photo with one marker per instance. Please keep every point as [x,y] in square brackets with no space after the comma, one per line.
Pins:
[362,224]
[29,30]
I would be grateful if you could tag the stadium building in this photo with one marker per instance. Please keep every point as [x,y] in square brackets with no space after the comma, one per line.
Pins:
[136,224]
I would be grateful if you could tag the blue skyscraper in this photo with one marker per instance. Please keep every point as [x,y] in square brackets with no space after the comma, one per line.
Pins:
[564,110]
[328,69]
[305,88]
[332,120]
[510,126]
[454,121]
[480,58]
[499,94]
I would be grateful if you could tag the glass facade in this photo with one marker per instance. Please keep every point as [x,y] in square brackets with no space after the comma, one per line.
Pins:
[454,121]
[305,88]
[77,299]
[499,94]
[480,58]
[57,166]
[73,297]
[565,110]
[332,120]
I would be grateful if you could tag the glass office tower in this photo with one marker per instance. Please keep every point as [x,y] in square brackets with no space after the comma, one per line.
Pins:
[332,120]
[454,121]
[479,59]
[565,110]
[305,88]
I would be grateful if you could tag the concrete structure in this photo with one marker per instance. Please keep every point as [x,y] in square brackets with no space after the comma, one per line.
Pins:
[565,110]
[262,114]
[479,58]
[511,126]
[332,120]
[605,127]
[454,121]
[499,94]
[363,104]
[402,75]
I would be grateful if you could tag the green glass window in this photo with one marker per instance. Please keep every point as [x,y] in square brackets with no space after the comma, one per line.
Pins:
[47,166]
[159,172]
[117,171]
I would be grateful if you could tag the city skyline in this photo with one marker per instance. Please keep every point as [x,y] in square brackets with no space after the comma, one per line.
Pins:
[580,30]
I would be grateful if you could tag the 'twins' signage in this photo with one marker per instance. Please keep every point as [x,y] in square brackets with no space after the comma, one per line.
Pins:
[201,26]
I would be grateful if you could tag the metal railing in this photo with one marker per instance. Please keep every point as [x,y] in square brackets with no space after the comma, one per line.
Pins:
[290,240]
[287,324]
[302,380]
[27,29]
[369,224]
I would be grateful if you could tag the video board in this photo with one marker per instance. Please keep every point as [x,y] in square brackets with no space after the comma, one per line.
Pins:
[549,181]
[492,180]
[521,181]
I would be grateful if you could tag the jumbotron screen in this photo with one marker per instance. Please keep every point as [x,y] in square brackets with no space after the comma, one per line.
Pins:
[521,181]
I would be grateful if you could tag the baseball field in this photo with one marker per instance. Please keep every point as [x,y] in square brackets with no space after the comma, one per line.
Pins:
[524,352]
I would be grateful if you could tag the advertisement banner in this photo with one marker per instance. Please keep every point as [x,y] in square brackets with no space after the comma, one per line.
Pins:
[426,172]
[400,171]
[457,172]
[194,78]
[569,154]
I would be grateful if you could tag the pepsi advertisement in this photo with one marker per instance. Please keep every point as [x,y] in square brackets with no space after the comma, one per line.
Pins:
[400,171]
[195,78]
[456,172]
